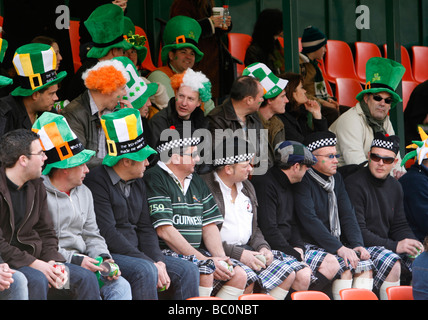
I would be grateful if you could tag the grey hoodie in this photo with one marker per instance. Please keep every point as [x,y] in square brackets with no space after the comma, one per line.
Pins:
[75,223]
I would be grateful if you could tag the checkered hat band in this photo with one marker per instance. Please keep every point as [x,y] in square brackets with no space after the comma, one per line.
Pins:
[233,160]
[383,144]
[330,142]
[187,142]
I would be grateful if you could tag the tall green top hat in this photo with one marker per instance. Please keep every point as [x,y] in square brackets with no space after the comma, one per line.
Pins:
[105,25]
[135,40]
[124,134]
[181,32]
[270,82]
[137,91]
[383,75]
[61,145]
[35,64]
[4,81]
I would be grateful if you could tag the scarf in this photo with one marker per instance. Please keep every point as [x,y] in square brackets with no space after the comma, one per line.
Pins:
[332,202]
[376,125]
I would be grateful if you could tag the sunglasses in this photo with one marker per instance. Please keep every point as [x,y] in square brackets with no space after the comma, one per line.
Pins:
[376,158]
[330,156]
[379,99]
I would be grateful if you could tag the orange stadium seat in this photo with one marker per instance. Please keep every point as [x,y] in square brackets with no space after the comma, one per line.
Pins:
[148,62]
[420,63]
[408,87]
[357,294]
[75,43]
[363,52]
[204,298]
[238,44]
[255,296]
[309,295]
[405,61]
[400,293]
[339,62]
[347,90]
[327,84]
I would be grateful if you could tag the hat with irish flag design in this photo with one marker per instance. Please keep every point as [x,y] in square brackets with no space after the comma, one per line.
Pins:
[124,135]
[270,82]
[35,64]
[61,146]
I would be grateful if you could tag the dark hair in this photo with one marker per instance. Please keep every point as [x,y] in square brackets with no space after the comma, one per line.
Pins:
[44,40]
[14,144]
[294,80]
[268,25]
[244,86]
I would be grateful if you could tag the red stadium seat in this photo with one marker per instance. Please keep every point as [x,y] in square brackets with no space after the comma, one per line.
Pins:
[357,294]
[339,62]
[309,295]
[405,61]
[347,90]
[255,296]
[363,52]
[420,63]
[408,87]
[75,43]
[238,44]
[400,293]
[148,62]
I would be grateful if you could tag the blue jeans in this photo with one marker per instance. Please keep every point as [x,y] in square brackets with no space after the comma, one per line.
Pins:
[83,284]
[420,277]
[119,289]
[18,289]
[143,277]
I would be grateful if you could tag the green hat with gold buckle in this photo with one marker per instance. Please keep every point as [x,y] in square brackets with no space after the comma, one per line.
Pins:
[383,75]
[35,64]
[181,32]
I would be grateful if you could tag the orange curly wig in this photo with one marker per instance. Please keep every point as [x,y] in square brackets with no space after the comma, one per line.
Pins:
[177,80]
[105,80]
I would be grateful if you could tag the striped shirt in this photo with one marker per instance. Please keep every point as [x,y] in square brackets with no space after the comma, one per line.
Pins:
[187,210]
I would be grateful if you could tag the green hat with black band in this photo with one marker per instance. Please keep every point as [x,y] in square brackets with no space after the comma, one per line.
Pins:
[61,146]
[35,64]
[383,75]
[124,135]
[181,32]
[105,25]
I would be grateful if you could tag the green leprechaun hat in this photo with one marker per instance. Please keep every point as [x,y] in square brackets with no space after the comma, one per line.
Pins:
[35,64]
[61,146]
[105,25]
[270,82]
[4,81]
[181,32]
[137,41]
[383,75]
[137,91]
[124,135]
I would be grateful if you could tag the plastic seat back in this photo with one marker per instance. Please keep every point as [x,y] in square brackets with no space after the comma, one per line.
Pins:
[75,43]
[255,296]
[204,298]
[147,64]
[420,63]
[346,91]
[363,52]
[408,87]
[238,44]
[405,61]
[309,295]
[357,294]
[400,293]
[339,61]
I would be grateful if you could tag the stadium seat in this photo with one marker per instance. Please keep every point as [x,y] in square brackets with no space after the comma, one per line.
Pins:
[363,52]
[75,43]
[281,41]
[400,293]
[405,61]
[148,62]
[408,87]
[339,62]
[204,298]
[238,44]
[256,296]
[346,91]
[309,295]
[327,84]
[357,294]
[420,63]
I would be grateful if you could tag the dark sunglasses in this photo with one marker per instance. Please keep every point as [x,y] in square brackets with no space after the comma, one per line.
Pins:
[379,99]
[376,158]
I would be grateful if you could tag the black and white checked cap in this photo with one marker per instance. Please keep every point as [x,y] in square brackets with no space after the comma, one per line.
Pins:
[319,140]
[388,142]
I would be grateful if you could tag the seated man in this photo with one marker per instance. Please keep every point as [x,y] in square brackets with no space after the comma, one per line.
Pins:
[71,205]
[123,217]
[378,201]
[106,89]
[327,218]
[13,284]
[28,241]
[185,216]
[242,239]
[355,128]
[276,212]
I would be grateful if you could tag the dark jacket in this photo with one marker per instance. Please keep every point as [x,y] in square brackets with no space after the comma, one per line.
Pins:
[84,124]
[257,241]
[124,222]
[36,236]
[276,216]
